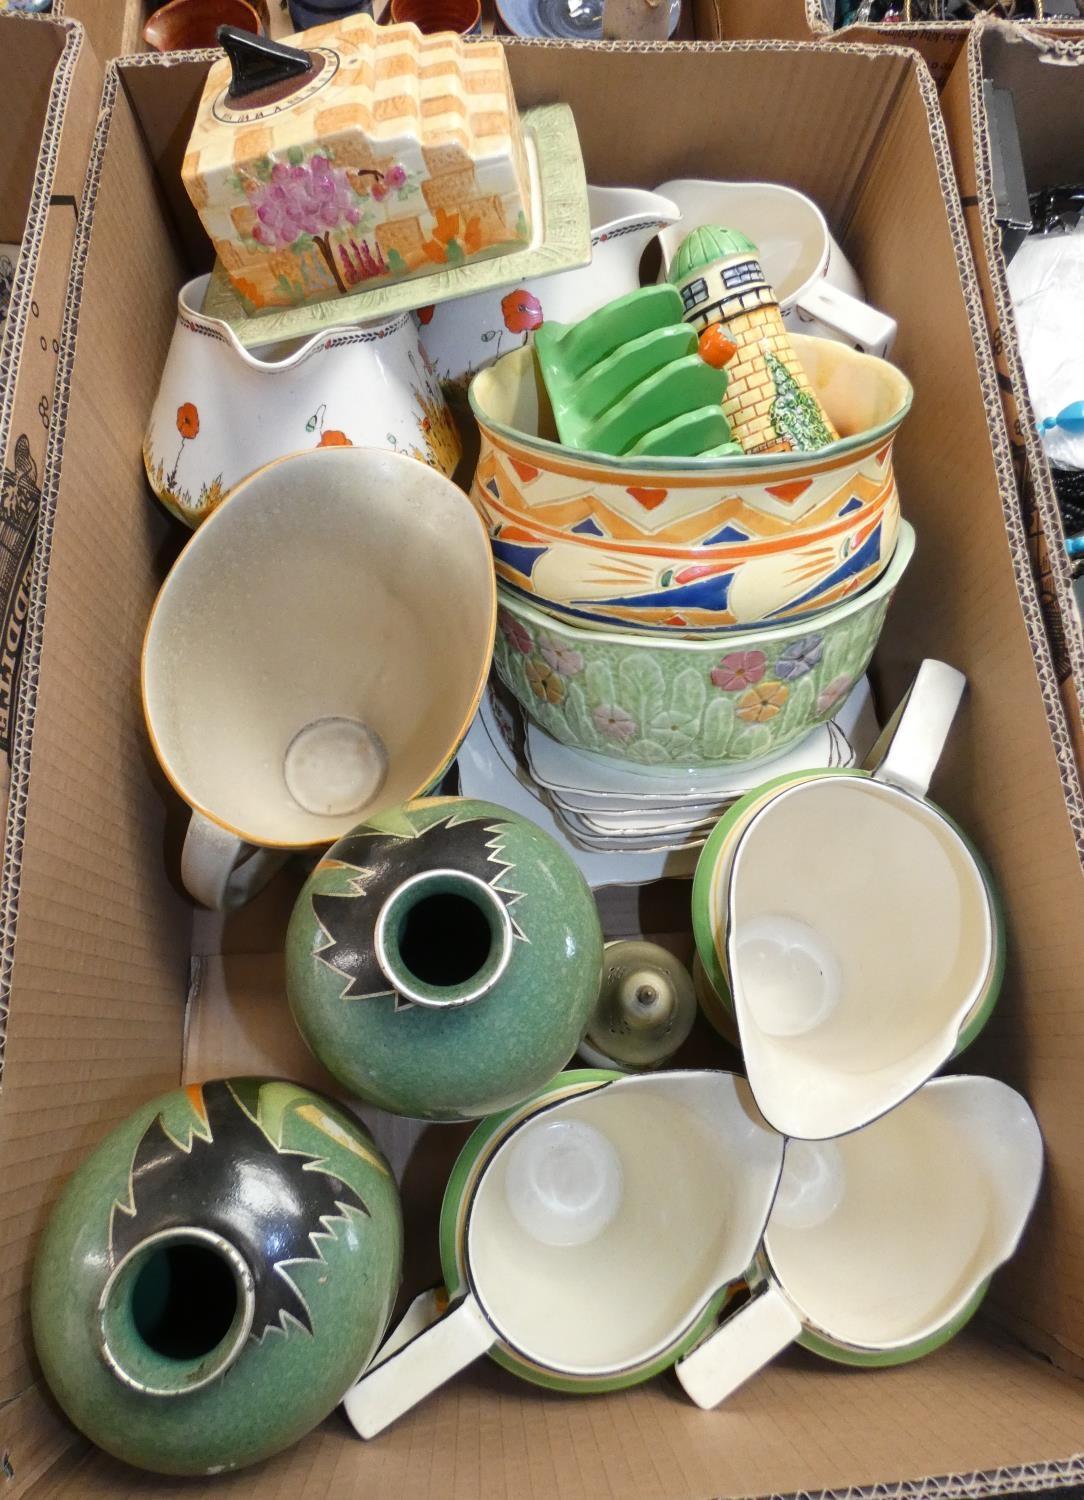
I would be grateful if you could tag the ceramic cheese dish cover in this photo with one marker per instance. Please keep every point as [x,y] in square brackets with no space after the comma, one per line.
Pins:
[358,154]
[443,960]
[223,411]
[588,1238]
[215,1274]
[687,546]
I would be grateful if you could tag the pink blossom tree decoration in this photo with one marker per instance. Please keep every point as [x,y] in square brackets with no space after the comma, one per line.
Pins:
[312,198]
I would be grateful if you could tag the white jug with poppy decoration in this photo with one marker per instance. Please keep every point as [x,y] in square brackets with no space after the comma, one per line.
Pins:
[223,411]
[463,336]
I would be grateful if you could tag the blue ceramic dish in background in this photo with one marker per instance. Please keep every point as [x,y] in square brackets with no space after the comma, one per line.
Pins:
[306,13]
[572,20]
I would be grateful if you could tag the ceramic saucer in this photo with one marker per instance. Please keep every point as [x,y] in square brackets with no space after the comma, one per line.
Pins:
[484,771]
[589,782]
[561,241]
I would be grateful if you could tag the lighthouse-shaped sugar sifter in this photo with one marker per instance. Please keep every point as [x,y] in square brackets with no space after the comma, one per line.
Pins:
[731,304]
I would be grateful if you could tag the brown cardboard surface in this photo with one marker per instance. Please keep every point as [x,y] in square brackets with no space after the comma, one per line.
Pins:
[112,25]
[100,938]
[801,1426]
[1045,75]
[116,992]
[766,20]
[49,79]
[939,43]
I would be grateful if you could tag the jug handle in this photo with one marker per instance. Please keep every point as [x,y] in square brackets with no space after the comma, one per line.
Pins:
[872,331]
[745,1342]
[911,743]
[419,1362]
[220,870]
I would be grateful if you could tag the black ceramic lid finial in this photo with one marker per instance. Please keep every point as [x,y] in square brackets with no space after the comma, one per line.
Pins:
[258,62]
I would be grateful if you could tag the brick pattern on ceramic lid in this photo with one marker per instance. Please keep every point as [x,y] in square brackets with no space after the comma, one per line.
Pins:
[402,154]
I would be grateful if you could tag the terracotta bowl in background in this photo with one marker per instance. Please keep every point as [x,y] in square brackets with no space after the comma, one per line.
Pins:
[185,24]
[429,16]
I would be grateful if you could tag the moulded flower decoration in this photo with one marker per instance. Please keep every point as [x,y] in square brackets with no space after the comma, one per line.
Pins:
[522,312]
[561,658]
[762,702]
[514,633]
[545,683]
[799,657]
[673,731]
[739,670]
[614,722]
[425,314]
[395,177]
[834,693]
[333,438]
[188,420]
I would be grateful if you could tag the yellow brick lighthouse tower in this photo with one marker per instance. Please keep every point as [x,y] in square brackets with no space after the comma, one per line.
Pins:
[768,401]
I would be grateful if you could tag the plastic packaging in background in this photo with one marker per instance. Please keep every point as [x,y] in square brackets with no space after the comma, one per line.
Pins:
[1046,280]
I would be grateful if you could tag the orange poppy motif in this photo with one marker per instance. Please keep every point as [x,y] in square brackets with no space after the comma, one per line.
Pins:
[188,420]
[762,702]
[333,438]
[522,311]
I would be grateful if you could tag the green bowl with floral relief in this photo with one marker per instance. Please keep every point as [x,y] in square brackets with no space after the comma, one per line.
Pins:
[690,704]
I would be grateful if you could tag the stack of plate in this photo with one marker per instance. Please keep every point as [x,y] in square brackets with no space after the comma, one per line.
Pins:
[627,825]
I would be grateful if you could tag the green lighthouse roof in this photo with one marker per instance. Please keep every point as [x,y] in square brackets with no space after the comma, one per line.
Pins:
[704,246]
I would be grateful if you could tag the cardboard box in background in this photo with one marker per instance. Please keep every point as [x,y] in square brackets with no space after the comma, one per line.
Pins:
[1046,78]
[117,993]
[49,81]
[939,43]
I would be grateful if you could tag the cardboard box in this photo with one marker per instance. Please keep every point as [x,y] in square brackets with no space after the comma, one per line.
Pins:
[117,991]
[49,80]
[940,43]
[1046,79]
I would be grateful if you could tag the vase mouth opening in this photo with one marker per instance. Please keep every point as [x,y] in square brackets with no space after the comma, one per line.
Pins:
[176,1311]
[444,938]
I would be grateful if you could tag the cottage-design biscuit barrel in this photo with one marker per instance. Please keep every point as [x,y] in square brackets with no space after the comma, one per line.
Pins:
[359,154]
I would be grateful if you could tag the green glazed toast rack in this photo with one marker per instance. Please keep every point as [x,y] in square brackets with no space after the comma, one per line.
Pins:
[628,381]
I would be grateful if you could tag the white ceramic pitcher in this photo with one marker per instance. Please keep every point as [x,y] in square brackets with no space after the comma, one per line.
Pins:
[850,928]
[818,289]
[880,1245]
[588,1238]
[223,411]
[464,336]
